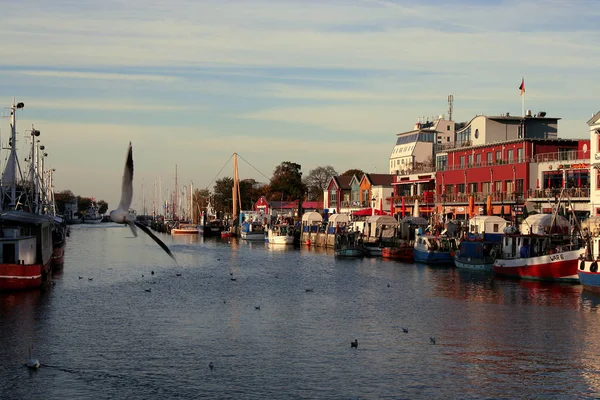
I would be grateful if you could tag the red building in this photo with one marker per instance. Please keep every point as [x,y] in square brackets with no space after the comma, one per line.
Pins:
[501,172]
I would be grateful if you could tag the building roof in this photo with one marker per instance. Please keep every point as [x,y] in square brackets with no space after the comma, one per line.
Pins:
[342,182]
[594,119]
[380,179]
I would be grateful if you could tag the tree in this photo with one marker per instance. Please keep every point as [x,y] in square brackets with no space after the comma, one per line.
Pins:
[317,181]
[102,206]
[223,194]
[200,199]
[287,182]
[358,172]
[250,191]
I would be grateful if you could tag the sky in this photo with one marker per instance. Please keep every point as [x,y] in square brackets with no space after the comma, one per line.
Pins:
[190,82]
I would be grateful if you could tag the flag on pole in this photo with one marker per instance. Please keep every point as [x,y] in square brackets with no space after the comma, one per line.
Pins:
[522,87]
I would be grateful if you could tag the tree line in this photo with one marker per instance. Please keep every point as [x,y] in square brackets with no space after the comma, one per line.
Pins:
[286,184]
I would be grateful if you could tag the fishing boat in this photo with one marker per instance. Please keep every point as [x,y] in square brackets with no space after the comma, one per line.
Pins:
[477,255]
[348,245]
[25,233]
[184,229]
[253,230]
[435,250]
[402,244]
[59,240]
[588,273]
[402,252]
[542,250]
[280,234]
[25,251]
[92,214]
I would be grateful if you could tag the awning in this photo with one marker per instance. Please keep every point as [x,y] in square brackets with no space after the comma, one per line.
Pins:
[413,181]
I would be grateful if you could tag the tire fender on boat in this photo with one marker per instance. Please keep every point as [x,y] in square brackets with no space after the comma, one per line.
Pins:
[582,265]
[594,267]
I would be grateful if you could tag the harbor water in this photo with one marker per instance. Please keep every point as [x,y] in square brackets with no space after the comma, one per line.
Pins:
[241,320]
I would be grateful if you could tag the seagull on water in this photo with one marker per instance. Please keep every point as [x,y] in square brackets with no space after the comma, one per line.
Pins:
[121,214]
[354,344]
[32,363]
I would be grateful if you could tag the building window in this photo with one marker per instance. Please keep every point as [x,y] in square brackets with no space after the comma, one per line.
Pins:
[462,161]
[509,187]
[485,187]
[498,157]
[519,186]
[333,198]
[448,128]
[460,188]
[497,186]
[473,187]
[476,133]
[449,189]
[510,156]
[489,158]
[520,155]
[470,160]
[552,179]
[478,160]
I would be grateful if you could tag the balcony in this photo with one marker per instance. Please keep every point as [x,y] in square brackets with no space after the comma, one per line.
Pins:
[572,193]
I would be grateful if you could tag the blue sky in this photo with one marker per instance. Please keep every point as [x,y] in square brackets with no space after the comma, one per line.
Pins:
[312,82]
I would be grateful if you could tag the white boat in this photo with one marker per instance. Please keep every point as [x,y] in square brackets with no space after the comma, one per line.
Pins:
[92,215]
[281,234]
[252,230]
[184,229]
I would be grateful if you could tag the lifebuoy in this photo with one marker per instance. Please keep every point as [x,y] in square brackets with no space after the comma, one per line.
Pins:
[594,267]
[582,265]
[493,254]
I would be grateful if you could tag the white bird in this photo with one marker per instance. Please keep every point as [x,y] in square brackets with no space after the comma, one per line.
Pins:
[121,215]
[32,363]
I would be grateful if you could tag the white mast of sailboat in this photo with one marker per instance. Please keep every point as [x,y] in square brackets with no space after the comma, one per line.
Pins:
[191,203]
[175,194]
[9,176]
[236,188]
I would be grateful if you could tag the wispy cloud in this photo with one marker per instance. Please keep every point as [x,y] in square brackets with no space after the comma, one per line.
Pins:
[95,75]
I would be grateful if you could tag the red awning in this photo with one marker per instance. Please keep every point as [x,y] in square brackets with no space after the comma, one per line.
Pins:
[368,211]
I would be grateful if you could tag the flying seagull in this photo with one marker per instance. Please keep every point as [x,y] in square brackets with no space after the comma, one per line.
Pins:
[121,214]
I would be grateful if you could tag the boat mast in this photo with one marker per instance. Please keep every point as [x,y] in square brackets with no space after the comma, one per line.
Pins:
[175,194]
[236,185]
[191,203]
[13,153]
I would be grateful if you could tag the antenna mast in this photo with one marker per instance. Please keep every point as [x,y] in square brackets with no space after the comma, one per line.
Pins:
[450,106]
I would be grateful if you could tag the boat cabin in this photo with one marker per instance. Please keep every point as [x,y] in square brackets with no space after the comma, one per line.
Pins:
[488,227]
[25,238]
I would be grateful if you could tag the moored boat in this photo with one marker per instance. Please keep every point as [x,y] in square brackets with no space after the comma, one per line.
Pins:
[402,252]
[25,251]
[184,229]
[59,239]
[348,245]
[252,230]
[281,234]
[92,215]
[476,255]
[435,250]
[588,273]
[543,251]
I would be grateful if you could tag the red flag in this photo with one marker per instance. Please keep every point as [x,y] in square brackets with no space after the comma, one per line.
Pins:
[522,87]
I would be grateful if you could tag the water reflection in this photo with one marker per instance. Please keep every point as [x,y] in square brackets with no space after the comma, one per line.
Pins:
[486,287]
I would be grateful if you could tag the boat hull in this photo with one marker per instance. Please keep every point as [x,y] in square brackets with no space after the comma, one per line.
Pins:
[258,236]
[58,257]
[210,230]
[405,253]
[281,240]
[589,277]
[185,231]
[551,267]
[21,277]
[473,264]
[433,257]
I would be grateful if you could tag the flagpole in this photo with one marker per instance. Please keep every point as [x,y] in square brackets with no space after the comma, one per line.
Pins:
[522,97]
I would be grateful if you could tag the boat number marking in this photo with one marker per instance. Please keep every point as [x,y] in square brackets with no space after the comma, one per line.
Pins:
[557,257]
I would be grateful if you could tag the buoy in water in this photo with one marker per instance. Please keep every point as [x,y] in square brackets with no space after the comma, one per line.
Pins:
[308,242]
